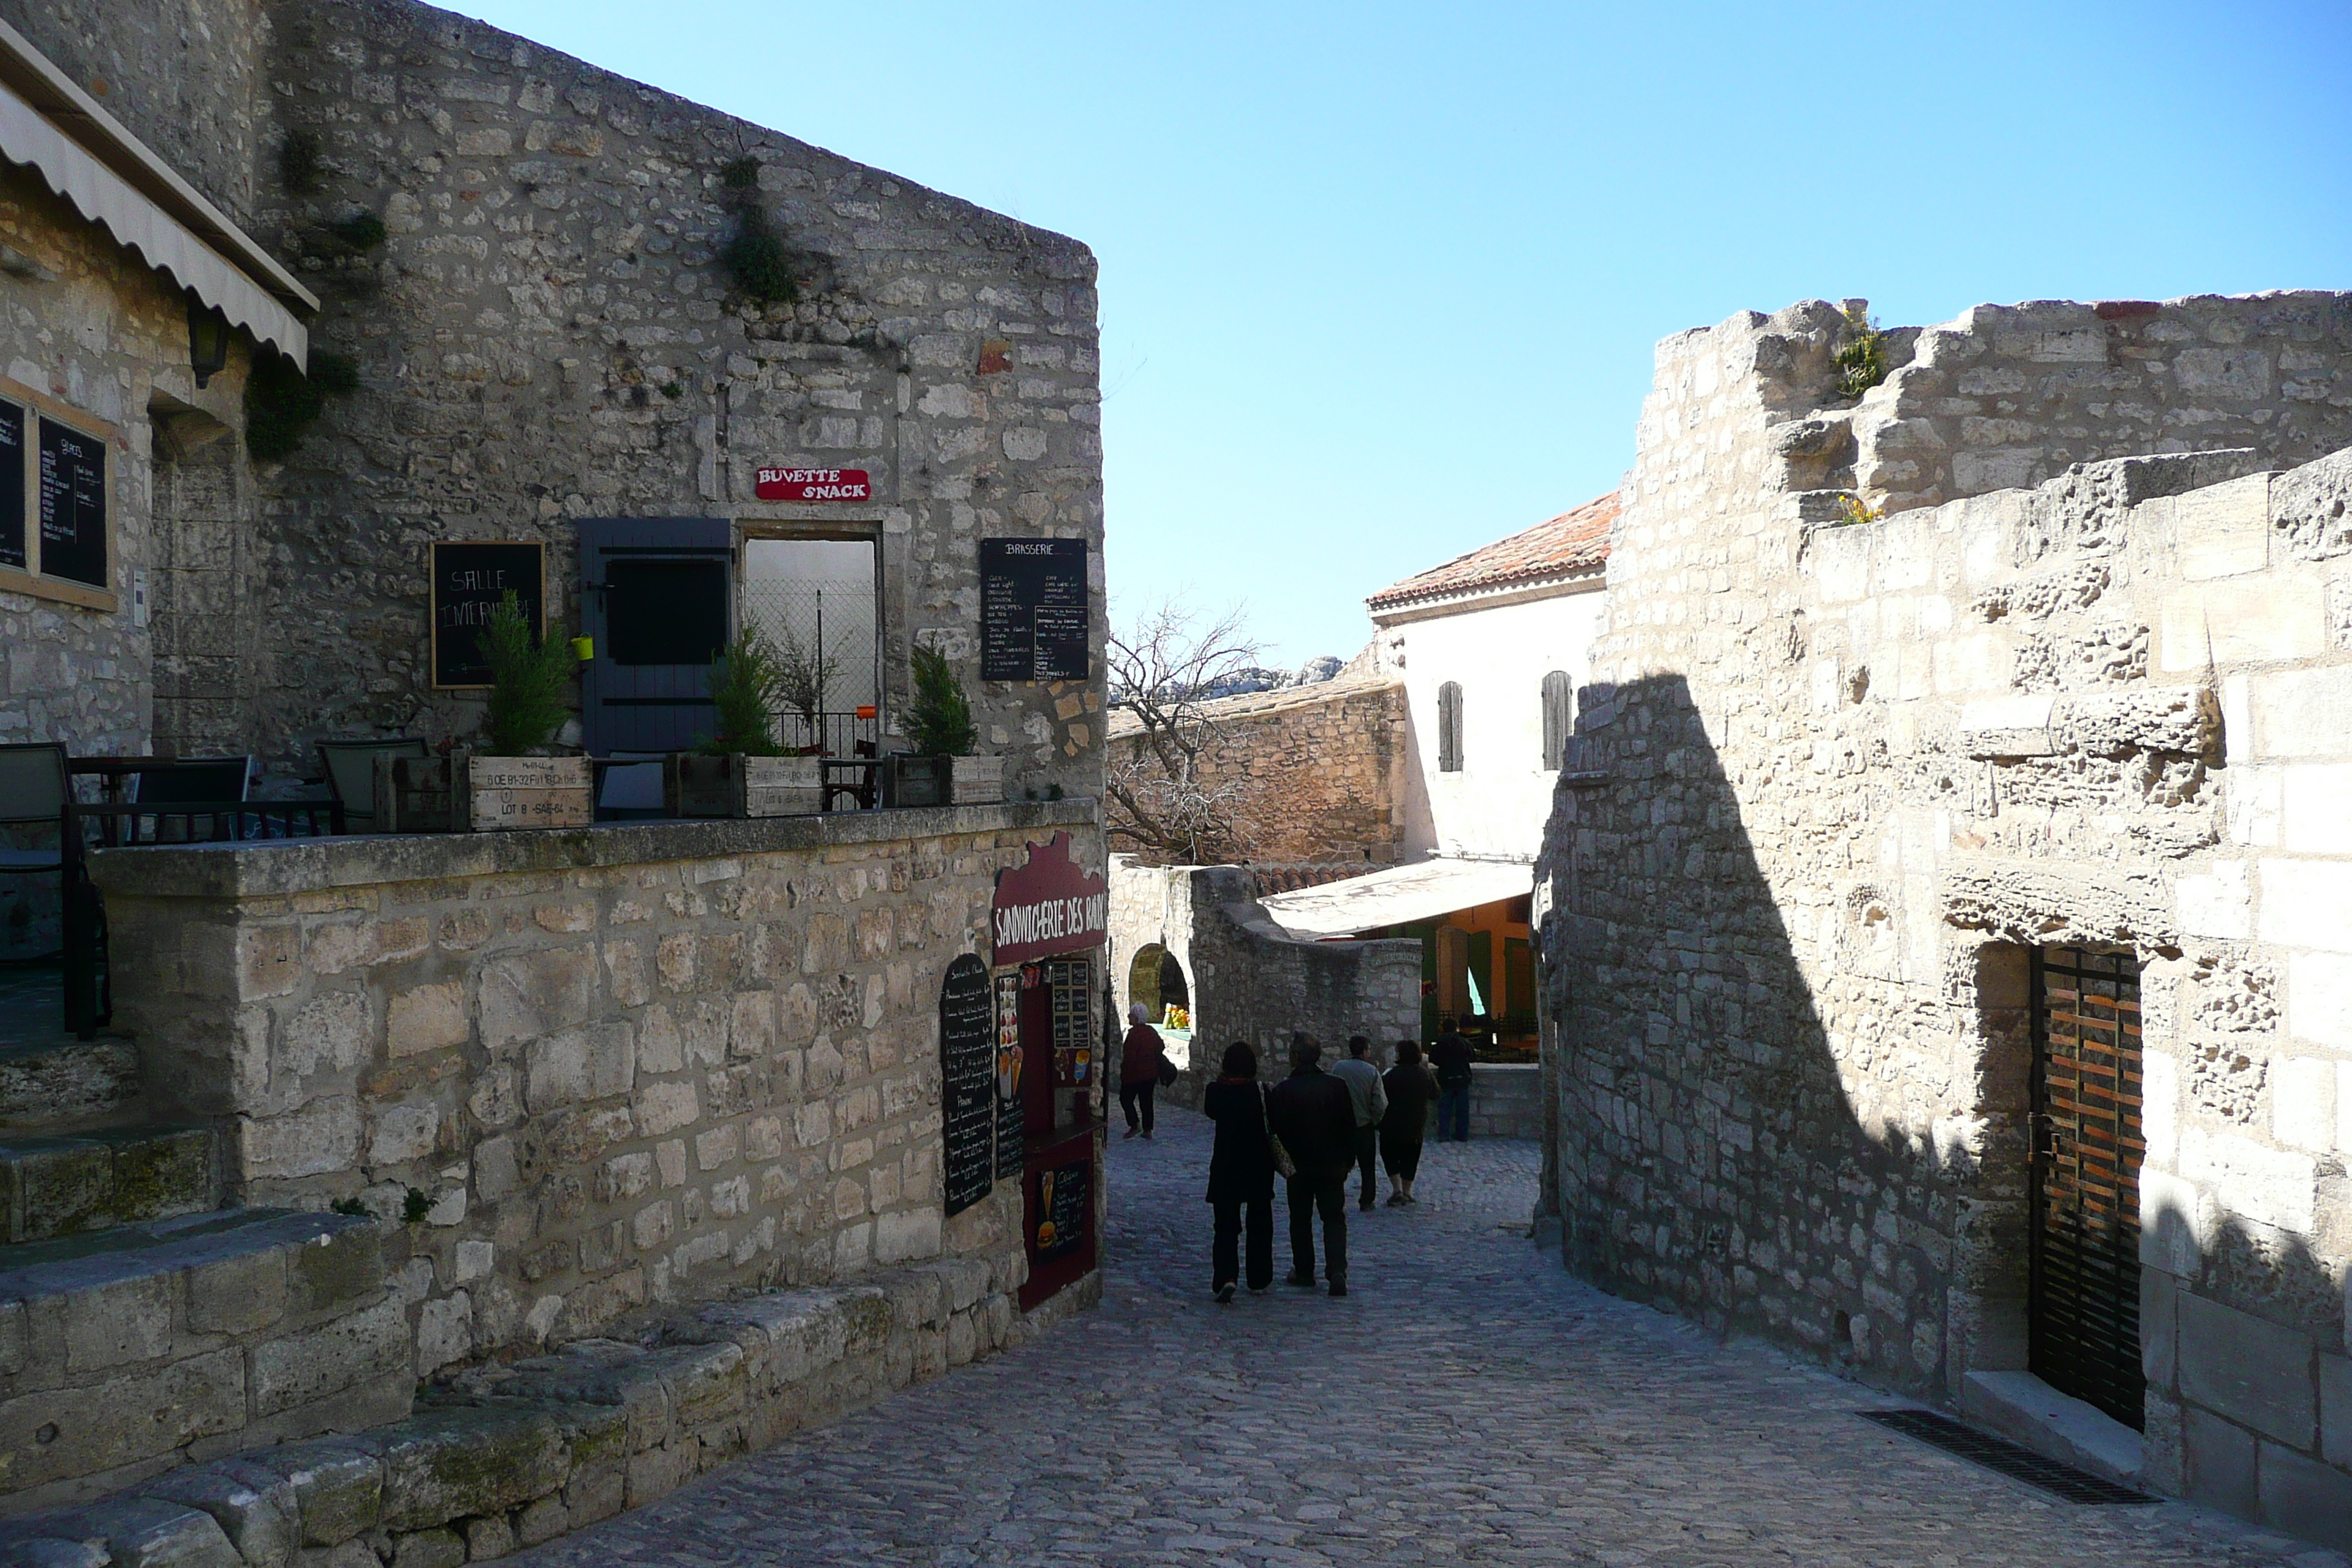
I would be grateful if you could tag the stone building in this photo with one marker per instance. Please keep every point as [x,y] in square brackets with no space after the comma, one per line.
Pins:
[1944,914]
[640,1143]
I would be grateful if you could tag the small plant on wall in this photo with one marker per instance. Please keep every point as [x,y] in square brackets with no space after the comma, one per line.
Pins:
[746,688]
[1861,357]
[528,679]
[756,253]
[283,400]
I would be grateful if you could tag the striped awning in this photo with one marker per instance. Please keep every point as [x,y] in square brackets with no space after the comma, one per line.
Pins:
[51,126]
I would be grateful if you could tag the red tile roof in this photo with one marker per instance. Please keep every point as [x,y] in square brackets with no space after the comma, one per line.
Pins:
[1573,542]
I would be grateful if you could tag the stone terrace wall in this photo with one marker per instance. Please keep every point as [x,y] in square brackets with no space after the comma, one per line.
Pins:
[1855,775]
[2011,394]
[625,1065]
[547,335]
[1251,980]
[1325,766]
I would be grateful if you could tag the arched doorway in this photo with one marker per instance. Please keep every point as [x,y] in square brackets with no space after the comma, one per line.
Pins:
[1156,980]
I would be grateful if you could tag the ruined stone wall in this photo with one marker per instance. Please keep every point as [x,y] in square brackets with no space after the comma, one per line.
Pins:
[549,334]
[1855,775]
[1250,979]
[2010,395]
[1323,766]
[596,1070]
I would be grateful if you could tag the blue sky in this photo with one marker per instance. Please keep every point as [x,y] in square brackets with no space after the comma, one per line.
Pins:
[1379,282]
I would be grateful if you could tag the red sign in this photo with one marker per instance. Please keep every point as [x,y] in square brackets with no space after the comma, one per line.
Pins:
[1048,906]
[815,484]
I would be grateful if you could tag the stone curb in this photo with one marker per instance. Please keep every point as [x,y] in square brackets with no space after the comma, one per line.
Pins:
[510,1456]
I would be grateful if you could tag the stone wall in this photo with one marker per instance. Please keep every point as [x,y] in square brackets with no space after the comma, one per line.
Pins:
[1505,1099]
[596,1070]
[549,334]
[1324,767]
[1250,979]
[1853,776]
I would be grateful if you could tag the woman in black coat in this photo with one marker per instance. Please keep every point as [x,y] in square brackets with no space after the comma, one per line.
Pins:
[1241,1172]
[1412,1091]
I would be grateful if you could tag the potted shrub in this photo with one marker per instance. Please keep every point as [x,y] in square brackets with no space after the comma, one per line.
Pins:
[941,770]
[741,771]
[519,779]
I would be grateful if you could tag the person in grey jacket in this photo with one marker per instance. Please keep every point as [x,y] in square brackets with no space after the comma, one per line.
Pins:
[1362,1078]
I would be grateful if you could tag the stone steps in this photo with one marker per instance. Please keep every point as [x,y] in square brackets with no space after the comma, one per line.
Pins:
[133,1350]
[57,1083]
[57,1184]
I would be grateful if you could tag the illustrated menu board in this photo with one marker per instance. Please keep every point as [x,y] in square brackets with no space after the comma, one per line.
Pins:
[1008,1077]
[12,486]
[1064,1206]
[1073,1018]
[967,1083]
[469,581]
[73,505]
[1033,609]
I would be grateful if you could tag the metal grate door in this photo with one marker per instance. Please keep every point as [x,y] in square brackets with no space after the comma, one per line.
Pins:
[2084,1315]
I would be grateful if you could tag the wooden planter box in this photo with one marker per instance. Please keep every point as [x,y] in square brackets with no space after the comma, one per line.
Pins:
[694,784]
[412,793]
[979,780]
[909,780]
[531,792]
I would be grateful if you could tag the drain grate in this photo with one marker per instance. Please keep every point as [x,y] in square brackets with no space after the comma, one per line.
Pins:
[2063,1482]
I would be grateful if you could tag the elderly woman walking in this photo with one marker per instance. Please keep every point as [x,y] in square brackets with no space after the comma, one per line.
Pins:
[1139,1056]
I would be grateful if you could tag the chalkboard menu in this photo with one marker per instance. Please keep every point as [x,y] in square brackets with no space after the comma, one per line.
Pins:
[1073,1022]
[1065,1203]
[1033,609]
[968,1082]
[469,582]
[73,505]
[12,486]
[1008,1077]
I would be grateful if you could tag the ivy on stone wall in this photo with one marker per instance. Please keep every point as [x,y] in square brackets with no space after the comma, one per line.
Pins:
[283,400]
[756,253]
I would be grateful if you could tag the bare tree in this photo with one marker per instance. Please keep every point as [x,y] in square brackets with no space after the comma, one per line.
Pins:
[1166,664]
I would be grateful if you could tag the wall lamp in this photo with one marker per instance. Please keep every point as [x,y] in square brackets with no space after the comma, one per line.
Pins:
[207,339]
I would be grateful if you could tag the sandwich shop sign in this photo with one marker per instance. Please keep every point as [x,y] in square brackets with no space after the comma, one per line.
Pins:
[1050,905]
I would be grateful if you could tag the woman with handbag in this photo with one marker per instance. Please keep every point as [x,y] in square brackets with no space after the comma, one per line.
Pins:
[1241,1174]
[1142,1068]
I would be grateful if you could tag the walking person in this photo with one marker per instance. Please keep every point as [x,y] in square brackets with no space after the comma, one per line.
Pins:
[1371,1102]
[1451,1056]
[1314,1115]
[1139,1056]
[1411,1089]
[1241,1174]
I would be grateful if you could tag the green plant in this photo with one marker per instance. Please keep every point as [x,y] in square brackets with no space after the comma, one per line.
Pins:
[739,174]
[939,722]
[746,689]
[415,1206]
[803,671]
[283,400]
[300,164]
[1861,357]
[527,679]
[759,258]
[1855,510]
[361,230]
[352,1206]
[672,390]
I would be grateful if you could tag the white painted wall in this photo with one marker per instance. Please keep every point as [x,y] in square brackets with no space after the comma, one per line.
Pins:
[1496,807]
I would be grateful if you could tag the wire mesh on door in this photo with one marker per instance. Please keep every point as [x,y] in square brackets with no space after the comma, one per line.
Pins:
[824,629]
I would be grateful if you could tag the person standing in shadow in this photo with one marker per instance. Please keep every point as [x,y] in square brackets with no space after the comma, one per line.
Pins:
[1452,1057]
[1411,1090]
[1241,1174]
[1370,1099]
[1314,1115]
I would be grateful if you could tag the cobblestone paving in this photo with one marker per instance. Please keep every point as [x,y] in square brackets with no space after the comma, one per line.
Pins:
[1467,1403]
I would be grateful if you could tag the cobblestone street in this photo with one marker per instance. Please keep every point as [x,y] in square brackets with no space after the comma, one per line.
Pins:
[1467,1403]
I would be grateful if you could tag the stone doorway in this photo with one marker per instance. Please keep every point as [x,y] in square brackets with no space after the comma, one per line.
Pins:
[2082,1298]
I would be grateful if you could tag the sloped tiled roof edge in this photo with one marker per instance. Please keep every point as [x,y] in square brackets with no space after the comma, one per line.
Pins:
[1574,542]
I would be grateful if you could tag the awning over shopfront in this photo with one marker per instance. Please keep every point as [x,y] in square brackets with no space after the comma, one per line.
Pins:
[1423,890]
[85,155]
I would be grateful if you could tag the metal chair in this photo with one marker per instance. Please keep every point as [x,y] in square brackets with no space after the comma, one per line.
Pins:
[34,789]
[350,767]
[191,784]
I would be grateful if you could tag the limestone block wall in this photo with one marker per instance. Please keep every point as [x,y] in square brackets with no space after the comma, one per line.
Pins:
[1855,774]
[548,332]
[592,1071]
[1251,980]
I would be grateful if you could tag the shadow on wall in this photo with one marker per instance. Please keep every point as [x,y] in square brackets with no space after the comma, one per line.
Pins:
[1838,1160]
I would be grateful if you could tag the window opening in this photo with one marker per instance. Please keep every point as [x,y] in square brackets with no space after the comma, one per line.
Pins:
[814,599]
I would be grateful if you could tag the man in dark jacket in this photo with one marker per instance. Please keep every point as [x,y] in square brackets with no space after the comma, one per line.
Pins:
[1452,1056]
[1315,1117]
